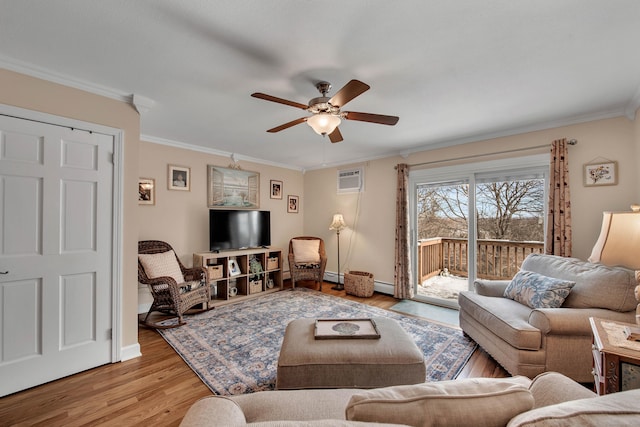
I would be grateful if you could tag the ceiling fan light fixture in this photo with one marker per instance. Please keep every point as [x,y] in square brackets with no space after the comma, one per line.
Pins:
[323,123]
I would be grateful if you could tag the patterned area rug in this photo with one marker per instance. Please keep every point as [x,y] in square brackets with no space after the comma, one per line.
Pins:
[234,348]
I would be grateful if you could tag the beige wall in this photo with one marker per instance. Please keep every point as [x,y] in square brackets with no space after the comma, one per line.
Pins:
[369,245]
[182,218]
[38,95]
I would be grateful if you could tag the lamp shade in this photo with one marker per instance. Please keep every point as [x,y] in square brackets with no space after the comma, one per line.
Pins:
[337,223]
[619,241]
[323,123]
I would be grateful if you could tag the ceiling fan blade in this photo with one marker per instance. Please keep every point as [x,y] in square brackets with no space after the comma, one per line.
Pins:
[288,125]
[348,92]
[371,118]
[335,136]
[279,100]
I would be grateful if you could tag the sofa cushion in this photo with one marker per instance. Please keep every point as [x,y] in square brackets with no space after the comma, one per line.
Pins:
[468,402]
[161,265]
[306,250]
[322,423]
[597,285]
[619,409]
[538,291]
[506,318]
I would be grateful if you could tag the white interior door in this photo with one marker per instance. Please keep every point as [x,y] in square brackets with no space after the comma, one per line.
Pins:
[56,200]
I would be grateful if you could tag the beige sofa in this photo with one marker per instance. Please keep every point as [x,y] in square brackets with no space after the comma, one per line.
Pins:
[551,399]
[528,341]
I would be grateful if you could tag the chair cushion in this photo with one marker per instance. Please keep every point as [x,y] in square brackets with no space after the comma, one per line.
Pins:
[160,265]
[190,286]
[469,402]
[306,250]
[538,291]
[597,286]
[307,265]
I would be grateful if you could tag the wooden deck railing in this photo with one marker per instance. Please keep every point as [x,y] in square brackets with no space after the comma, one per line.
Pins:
[497,259]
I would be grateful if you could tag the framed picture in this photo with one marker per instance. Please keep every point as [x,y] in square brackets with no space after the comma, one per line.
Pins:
[292,204]
[603,173]
[232,188]
[234,268]
[276,189]
[146,191]
[179,178]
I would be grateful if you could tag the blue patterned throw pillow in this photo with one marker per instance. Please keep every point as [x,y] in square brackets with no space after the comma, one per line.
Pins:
[538,291]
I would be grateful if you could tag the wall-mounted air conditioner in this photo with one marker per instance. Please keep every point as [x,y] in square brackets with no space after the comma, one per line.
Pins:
[351,180]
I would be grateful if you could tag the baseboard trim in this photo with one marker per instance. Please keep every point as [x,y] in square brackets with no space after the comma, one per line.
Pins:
[144,308]
[130,352]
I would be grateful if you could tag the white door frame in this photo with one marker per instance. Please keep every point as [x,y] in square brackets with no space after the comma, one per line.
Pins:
[117,214]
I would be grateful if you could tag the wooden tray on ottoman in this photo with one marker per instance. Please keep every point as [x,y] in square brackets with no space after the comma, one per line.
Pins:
[327,329]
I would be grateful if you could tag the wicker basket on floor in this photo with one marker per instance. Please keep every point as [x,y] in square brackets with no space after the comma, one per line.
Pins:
[358,283]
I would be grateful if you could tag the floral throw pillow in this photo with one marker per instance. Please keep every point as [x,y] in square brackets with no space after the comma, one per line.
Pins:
[538,291]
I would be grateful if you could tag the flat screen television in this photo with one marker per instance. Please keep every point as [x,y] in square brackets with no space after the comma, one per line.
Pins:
[238,229]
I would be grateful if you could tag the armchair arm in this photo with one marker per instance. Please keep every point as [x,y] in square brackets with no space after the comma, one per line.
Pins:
[550,388]
[491,288]
[194,273]
[214,410]
[571,321]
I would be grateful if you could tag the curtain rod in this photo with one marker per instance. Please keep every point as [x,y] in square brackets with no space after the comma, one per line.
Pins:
[571,142]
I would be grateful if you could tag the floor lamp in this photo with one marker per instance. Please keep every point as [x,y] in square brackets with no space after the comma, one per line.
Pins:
[338,225]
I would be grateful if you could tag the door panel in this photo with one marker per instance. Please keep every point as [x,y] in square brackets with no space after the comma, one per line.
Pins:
[56,204]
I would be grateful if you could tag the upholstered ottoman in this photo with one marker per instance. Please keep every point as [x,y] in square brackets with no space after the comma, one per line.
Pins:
[306,363]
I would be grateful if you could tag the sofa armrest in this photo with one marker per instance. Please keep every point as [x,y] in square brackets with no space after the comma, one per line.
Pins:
[550,388]
[491,288]
[215,409]
[572,321]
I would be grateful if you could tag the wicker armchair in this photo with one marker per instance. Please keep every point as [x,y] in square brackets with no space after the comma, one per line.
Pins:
[169,296]
[304,269]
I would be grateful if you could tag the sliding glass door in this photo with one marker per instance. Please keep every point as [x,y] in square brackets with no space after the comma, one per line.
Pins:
[475,221]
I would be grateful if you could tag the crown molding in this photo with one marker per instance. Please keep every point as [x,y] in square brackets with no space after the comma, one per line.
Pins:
[633,106]
[233,156]
[619,112]
[45,74]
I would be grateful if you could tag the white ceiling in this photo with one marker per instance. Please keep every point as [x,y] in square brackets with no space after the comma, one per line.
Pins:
[453,71]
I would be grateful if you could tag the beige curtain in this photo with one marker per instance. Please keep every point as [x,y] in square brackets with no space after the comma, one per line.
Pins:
[403,287]
[558,240]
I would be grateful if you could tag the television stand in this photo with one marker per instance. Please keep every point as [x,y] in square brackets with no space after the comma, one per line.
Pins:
[242,274]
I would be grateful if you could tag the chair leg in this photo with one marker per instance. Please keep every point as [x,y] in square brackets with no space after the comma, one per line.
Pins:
[146,322]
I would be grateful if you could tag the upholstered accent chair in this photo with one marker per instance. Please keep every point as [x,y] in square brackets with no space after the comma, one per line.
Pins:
[307,259]
[175,288]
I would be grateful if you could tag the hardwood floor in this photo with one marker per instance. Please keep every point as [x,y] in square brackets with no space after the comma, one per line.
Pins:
[155,389]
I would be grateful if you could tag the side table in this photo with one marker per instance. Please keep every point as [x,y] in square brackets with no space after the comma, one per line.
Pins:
[616,361]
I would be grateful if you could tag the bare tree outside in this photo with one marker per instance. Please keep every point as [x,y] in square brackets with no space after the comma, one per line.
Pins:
[509,217]
[506,210]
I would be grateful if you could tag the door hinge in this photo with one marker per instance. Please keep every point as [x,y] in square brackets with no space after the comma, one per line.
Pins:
[109,334]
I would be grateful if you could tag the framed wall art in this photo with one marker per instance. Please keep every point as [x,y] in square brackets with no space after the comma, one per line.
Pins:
[276,189]
[601,173]
[179,178]
[232,188]
[293,204]
[146,191]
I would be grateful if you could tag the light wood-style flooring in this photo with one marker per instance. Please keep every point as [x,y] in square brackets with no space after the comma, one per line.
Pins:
[153,390]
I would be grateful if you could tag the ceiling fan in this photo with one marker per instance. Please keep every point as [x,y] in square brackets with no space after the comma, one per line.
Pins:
[326,114]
